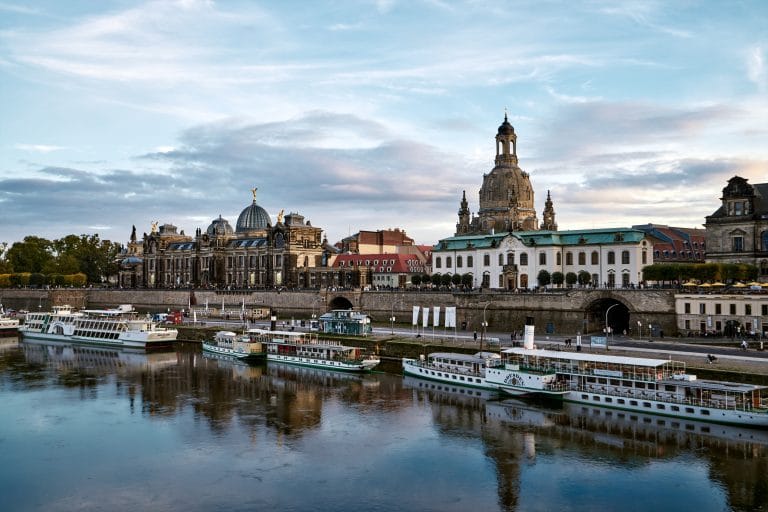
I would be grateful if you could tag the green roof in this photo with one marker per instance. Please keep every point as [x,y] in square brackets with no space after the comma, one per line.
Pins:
[543,238]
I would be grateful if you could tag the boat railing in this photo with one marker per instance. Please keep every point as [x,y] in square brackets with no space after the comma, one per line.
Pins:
[711,403]
[589,372]
[444,368]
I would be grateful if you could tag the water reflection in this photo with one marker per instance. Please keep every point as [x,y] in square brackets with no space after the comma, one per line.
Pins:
[402,443]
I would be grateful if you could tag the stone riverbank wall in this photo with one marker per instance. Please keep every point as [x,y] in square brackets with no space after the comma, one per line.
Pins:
[559,312]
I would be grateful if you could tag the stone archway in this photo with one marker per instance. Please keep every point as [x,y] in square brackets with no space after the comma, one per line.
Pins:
[340,303]
[607,310]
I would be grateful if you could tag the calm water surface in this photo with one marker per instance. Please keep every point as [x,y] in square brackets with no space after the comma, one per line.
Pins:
[93,429]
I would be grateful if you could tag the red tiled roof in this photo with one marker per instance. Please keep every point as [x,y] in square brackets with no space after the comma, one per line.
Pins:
[396,263]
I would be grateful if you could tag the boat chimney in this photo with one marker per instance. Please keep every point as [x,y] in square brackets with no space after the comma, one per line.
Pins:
[528,334]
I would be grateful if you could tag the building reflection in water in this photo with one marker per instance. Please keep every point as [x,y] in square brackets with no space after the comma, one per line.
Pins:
[516,436]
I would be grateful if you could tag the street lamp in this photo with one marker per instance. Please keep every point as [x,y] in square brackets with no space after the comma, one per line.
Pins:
[640,328]
[484,324]
[607,329]
[392,323]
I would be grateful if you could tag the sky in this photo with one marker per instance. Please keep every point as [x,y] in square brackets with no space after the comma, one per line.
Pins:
[368,115]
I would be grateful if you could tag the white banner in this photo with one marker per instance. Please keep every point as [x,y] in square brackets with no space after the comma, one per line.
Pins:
[415,315]
[450,316]
[425,316]
[436,319]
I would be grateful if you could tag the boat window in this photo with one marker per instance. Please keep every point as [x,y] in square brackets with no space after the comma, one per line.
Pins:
[596,398]
[584,397]
[689,410]
[669,387]
[602,381]
[675,408]
[705,412]
[615,382]
[608,399]
[640,385]
[651,385]
[660,406]
[633,402]
[646,404]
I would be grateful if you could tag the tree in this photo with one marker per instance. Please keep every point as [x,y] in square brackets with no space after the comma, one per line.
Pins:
[30,255]
[544,278]
[584,278]
[5,265]
[456,279]
[445,279]
[467,280]
[434,279]
[96,258]
[571,278]
[558,278]
[416,280]
[425,279]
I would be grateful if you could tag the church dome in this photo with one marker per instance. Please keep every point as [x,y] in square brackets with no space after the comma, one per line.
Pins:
[506,128]
[219,227]
[253,217]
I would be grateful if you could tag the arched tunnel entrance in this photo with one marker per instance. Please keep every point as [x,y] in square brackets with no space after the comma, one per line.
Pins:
[340,303]
[607,312]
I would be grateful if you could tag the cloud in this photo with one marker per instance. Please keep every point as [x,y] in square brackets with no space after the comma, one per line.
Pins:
[38,148]
[756,68]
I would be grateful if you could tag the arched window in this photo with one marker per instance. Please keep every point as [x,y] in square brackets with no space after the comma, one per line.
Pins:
[524,259]
[625,257]
[611,258]
[764,240]
[559,259]
[511,258]
[448,262]
[542,258]
[470,261]
[582,258]
[459,261]
[596,258]
[569,258]
[501,260]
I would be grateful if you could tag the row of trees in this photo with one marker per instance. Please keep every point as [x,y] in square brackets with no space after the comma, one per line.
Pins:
[703,272]
[442,279]
[37,279]
[558,278]
[38,261]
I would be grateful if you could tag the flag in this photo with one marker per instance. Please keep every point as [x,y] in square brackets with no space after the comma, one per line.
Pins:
[426,317]
[436,319]
[450,316]
[415,315]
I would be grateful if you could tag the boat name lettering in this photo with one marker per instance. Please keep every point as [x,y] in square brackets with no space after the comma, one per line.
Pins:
[608,373]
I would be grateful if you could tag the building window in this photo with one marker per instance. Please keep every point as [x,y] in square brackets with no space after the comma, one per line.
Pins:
[559,259]
[542,258]
[501,260]
[448,262]
[703,308]
[438,262]
[524,259]
[487,260]
[595,258]
[687,308]
[470,261]
[611,258]
[611,280]
[625,280]
[747,309]
[569,258]
[511,258]
[459,261]
[732,308]
[738,243]
[625,257]
[582,258]
[718,309]
[645,257]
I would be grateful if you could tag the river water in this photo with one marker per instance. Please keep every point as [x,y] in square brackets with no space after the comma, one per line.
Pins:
[95,429]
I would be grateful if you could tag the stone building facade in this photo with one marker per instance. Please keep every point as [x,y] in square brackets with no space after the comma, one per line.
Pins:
[737,232]
[255,254]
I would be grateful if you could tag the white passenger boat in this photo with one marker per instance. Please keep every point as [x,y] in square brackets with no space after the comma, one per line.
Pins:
[241,346]
[654,386]
[8,326]
[118,327]
[454,368]
[306,349]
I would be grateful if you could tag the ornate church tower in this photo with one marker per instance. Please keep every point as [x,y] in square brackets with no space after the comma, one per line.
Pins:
[549,223]
[463,227]
[506,197]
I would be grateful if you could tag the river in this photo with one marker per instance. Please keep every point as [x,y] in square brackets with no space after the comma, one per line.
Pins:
[97,429]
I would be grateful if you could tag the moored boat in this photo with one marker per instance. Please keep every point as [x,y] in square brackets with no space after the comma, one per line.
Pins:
[654,386]
[240,346]
[117,327]
[306,349]
[454,368]
[8,326]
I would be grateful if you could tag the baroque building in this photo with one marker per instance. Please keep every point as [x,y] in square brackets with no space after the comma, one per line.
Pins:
[504,247]
[254,254]
[737,232]
[506,195]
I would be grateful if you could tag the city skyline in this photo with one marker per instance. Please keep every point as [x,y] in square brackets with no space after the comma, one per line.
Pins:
[373,115]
